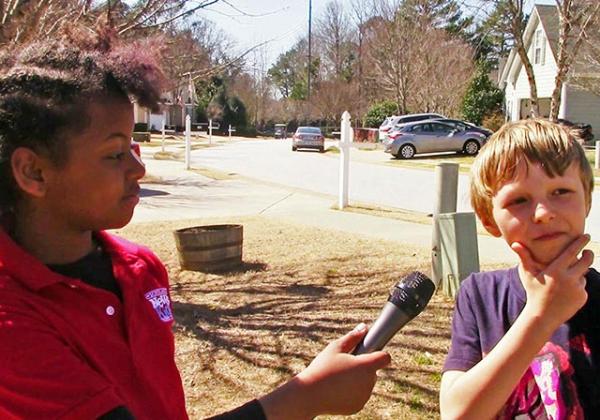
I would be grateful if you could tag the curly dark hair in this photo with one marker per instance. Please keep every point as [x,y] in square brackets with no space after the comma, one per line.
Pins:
[44,89]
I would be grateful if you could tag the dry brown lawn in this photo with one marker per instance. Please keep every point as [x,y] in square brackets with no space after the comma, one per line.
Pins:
[242,333]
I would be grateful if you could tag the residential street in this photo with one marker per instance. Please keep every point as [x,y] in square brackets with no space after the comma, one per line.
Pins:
[371,181]
[273,161]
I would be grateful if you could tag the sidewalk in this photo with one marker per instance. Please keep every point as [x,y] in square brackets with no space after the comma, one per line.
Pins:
[182,194]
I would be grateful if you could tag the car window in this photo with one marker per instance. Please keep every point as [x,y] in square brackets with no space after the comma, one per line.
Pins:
[421,128]
[409,119]
[441,128]
[308,130]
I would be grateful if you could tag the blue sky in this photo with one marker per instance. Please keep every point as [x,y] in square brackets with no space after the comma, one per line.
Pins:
[281,22]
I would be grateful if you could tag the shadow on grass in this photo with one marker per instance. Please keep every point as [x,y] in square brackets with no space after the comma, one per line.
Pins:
[149,192]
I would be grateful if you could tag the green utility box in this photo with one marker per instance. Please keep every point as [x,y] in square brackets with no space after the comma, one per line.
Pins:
[458,251]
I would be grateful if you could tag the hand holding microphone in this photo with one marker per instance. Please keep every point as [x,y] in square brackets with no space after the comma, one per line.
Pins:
[407,299]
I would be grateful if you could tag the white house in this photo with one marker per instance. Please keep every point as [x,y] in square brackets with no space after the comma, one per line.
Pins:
[541,41]
[175,106]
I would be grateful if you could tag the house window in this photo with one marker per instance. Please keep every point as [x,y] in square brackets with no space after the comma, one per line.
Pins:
[539,48]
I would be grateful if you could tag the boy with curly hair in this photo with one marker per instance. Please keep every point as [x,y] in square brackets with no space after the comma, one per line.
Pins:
[85,317]
[525,341]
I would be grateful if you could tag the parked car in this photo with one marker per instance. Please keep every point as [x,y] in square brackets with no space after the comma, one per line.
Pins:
[394,121]
[465,126]
[280,131]
[308,138]
[385,126]
[136,149]
[431,136]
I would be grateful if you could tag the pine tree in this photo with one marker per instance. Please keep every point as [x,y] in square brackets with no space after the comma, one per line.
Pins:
[482,97]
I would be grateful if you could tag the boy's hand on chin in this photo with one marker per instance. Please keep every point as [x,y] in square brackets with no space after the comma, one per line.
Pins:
[555,291]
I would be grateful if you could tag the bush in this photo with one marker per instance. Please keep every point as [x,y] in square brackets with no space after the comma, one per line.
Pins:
[493,121]
[378,112]
[248,131]
[141,136]
[140,127]
[482,97]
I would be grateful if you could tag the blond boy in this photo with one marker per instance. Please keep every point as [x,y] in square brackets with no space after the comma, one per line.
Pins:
[525,340]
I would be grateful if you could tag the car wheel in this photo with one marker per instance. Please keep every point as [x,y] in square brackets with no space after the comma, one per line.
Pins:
[406,151]
[321,149]
[471,147]
[294,148]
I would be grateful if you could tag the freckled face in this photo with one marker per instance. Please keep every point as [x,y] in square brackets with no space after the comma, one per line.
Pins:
[545,214]
[98,186]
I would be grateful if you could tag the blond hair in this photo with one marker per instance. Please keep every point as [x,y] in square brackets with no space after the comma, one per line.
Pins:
[554,146]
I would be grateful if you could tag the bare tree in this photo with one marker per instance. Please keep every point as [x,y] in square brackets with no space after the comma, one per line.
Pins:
[335,40]
[575,18]
[392,45]
[589,79]
[23,20]
[445,72]
[362,12]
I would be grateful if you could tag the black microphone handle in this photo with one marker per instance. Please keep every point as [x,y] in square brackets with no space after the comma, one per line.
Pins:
[383,329]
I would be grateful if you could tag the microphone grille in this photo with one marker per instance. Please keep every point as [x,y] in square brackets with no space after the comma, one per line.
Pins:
[416,290]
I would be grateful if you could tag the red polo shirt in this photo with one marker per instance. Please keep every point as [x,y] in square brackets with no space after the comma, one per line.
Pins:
[70,350]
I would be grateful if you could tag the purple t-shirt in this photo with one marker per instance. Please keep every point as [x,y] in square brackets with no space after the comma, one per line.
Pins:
[563,380]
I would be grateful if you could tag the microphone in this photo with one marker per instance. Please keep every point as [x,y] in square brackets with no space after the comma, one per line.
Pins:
[407,299]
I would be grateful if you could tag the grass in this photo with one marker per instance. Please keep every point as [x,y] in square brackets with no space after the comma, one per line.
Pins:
[240,334]
[430,162]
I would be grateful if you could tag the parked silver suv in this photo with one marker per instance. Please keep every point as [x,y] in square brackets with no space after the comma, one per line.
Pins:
[391,122]
[432,136]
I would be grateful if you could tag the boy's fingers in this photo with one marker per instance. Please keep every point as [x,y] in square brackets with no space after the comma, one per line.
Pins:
[582,265]
[529,264]
[348,342]
[569,255]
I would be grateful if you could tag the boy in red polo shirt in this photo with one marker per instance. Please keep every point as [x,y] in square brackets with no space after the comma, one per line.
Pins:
[85,317]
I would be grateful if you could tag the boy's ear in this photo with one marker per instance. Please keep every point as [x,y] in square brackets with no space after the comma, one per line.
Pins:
[491,227]
[28,171]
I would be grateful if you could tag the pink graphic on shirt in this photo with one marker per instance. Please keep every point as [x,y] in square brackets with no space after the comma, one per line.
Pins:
[547,390]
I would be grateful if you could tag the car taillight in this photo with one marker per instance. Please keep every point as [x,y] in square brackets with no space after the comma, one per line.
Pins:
[395,136]
[385,129]
[322,138]
[136,148]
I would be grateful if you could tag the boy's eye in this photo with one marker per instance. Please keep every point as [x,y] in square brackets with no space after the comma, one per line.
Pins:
[561,191]
[517,201]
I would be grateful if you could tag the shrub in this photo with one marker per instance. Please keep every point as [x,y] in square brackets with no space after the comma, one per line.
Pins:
[139,127]
[247,131]
[482,97]
[493,121]
[378,112]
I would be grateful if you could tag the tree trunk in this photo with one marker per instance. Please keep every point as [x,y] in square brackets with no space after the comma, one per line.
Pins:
[566,56]
[535,106]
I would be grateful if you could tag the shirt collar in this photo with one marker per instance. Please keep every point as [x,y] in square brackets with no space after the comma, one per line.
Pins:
[24,267]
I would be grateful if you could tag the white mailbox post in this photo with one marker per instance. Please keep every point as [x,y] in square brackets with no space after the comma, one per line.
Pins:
[188,141]
[162,143]
[345,143]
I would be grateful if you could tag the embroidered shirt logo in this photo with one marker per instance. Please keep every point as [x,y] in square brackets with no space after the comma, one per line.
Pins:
[159,299]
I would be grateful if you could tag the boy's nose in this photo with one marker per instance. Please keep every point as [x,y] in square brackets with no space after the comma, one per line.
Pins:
[543,212]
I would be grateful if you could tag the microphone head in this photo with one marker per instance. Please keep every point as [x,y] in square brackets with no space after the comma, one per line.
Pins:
[412,293]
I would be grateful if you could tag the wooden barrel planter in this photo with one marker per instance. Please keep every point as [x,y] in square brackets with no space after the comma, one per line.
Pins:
[211,248]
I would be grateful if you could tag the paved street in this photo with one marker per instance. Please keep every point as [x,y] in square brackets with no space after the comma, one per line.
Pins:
[273,161]
[370,181]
